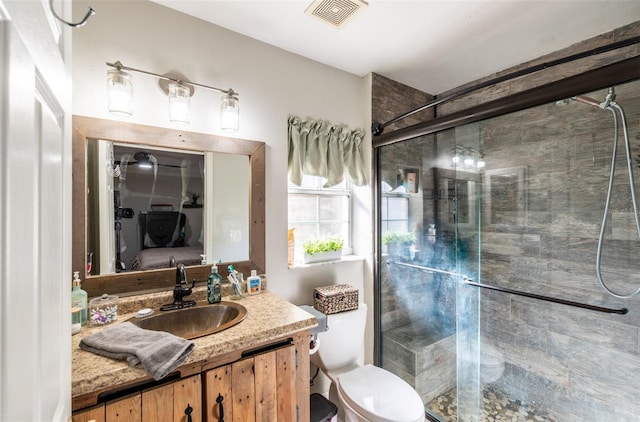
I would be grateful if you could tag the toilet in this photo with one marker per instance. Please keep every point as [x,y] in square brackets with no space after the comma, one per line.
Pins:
[361,393]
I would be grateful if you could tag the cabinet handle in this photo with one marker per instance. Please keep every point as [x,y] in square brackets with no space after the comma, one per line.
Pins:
[188,411]
[219,401]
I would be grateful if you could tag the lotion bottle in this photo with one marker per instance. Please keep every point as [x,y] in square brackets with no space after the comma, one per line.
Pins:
[79,298]
[253,283]
[214,286]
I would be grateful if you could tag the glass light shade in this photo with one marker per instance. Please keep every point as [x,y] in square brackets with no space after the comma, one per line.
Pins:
[469,162]
[120,92]
[229,113]
[179,102]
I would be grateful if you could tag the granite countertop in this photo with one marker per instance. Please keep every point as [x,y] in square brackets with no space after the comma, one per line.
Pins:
[268,318]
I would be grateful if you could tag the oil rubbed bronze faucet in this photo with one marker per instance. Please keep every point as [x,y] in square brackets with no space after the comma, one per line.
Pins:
[180,291]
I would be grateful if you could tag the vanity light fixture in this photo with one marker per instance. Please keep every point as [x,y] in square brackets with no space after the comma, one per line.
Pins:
[467,158]
[229,112]
[179,91]
[179,102]
[120,92]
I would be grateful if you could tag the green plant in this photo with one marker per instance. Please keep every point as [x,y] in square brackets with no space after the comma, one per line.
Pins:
[328,244]
[406,238]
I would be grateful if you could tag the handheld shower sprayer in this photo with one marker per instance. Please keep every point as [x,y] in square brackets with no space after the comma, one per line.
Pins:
[616,110]
[610,104]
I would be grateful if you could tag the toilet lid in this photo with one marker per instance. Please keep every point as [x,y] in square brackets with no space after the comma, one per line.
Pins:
[379,395]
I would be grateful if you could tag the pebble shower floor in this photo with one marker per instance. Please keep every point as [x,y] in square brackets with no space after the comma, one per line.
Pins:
[496,407]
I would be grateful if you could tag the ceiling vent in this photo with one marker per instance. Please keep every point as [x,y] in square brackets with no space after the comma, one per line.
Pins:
[335,12]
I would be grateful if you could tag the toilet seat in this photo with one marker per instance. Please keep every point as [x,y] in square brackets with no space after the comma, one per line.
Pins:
[380,396]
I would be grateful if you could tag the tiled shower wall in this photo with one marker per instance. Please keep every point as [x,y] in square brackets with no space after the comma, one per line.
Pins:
[581,364]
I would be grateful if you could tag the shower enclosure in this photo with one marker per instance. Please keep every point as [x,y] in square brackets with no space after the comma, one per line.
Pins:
[488,233]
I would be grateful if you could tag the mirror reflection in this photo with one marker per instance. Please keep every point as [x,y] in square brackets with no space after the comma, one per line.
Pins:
[146,207]
[157,210]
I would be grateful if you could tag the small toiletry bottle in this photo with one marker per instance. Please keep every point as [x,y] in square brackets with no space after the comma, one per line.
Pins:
[253,283]
[291,247]
[79,297]
[214,286]
[203,259]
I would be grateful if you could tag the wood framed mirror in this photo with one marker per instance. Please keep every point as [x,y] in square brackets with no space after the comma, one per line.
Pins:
[87,129]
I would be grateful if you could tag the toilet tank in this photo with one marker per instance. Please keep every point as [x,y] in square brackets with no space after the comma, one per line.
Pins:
[341,344]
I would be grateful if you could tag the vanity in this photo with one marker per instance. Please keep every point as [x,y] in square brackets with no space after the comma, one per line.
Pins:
[257,370]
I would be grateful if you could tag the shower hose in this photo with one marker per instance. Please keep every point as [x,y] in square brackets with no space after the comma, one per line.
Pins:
[612,106]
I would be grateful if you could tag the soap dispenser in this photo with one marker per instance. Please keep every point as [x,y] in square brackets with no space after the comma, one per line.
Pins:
[79,298]
[214,286]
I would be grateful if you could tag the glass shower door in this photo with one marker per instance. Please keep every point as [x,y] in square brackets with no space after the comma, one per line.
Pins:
[516,202]
[429,221]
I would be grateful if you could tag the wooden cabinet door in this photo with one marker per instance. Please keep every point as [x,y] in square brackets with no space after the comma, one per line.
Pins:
[217,396]
[243,391]
[275,385]
[261,388]
[95,414]
[157,404]
[286,383]
[187,393]
[169,402]
[126,409]
[266,387]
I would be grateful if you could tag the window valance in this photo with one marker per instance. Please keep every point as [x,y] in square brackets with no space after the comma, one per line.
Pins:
[319,148]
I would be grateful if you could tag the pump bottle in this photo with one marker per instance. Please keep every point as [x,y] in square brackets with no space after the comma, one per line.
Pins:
[214,286]
[79,297]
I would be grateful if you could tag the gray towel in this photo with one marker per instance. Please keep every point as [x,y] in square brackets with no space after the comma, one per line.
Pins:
[158,351]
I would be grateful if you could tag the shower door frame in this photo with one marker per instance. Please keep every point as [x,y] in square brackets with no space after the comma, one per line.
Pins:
[603,77]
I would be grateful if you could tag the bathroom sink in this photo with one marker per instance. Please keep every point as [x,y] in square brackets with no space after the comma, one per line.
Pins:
[197,321]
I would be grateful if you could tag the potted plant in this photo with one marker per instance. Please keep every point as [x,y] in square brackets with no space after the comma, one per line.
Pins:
[327,249]
[194,198]
[398,243]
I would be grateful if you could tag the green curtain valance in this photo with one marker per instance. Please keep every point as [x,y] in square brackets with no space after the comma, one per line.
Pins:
[319,148]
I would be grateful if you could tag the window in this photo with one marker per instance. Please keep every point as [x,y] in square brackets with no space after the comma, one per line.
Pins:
[316,212]
[395,212]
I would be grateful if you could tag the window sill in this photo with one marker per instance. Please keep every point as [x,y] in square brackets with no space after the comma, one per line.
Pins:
[345,258]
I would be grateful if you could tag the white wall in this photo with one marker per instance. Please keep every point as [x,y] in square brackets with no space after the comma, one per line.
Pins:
[272,84]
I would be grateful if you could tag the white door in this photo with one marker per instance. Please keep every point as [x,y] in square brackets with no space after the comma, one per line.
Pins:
[35,224]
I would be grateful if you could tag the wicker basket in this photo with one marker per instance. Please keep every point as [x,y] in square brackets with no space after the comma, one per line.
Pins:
[335,298]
